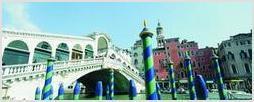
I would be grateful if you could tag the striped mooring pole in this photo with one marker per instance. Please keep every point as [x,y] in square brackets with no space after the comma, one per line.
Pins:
[150,82]
[201,89]
[37,94]
[107,92]
[111,90]
[132,90]
[76,91]
[99,90]
[219,79]
[188,66]
[48,79]
[158,91]
[172,79]
[61,92]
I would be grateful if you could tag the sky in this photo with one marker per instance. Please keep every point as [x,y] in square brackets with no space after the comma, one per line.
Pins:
[207,23]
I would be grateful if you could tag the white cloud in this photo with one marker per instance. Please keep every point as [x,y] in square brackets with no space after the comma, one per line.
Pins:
[19,18]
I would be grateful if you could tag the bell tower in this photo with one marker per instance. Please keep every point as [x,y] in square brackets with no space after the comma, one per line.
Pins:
[160,36]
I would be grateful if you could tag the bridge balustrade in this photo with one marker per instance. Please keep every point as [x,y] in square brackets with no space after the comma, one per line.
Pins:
[23,70]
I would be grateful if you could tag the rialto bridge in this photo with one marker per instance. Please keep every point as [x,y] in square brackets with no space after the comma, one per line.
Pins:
[86,59]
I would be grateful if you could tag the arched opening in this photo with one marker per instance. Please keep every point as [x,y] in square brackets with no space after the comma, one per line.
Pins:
[247,68]
[234,69]
[119,60]
[90,80]
[136,62]
[113,56]
[231,56]
[16,52]
[89,51]
[243,54]
[62,52]
[124,63]
[102,45]
[135,54]
[77,52]
[42,52]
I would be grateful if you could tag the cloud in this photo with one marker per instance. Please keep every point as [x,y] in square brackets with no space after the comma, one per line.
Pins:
[19,17]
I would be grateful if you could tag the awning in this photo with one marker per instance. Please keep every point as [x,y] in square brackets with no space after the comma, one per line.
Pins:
[183,81]
[209,82]
[234,80]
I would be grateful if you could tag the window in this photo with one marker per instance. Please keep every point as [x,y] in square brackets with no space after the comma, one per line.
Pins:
[242,43]
[236,43]
[247,68]
[229,45]
[179,54]
[135,62]
[181,65]
[243,54]
[234,69]
[194,64]
[248,41]
[231,55]
[182,74]
[192,52]
[250,53]
[135,54]
[167,47]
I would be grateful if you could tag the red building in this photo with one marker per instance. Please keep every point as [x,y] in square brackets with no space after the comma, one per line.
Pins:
[175,49]
[203,58]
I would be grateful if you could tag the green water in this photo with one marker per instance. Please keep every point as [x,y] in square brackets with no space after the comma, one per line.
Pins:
[69,96]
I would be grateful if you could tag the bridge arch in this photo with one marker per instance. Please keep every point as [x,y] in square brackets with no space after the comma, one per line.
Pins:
[102,44]
[62,52]
[89,52]
[16,52]
[90,79]
[77,52]
[42,52]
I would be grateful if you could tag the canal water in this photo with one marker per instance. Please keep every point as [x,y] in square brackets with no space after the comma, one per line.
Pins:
[69,96]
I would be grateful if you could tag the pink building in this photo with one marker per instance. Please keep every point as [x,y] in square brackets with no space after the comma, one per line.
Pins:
[175,49]
[204,64]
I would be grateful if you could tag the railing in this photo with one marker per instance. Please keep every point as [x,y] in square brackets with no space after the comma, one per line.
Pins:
[116,64]
[131,66]
[13,71]
[27,69]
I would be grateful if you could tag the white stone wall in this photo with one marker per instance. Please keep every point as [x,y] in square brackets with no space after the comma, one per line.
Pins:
[238,62]
[34,38]
[139,51]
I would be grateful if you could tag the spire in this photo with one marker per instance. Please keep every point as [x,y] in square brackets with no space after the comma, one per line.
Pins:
[159,24]
[144,23]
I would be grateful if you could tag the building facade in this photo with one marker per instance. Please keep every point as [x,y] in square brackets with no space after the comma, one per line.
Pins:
[173,49]
[236,60]
[137,57]
[204,63]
